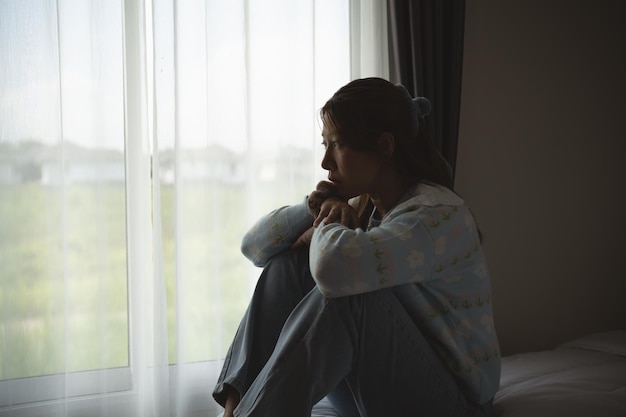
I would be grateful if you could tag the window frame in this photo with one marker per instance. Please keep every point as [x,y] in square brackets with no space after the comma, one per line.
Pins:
[86,391]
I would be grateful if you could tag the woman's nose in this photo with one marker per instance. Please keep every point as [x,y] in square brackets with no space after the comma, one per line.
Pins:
[327,161]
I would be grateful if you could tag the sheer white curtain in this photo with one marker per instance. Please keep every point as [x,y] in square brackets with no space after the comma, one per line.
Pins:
[138,142]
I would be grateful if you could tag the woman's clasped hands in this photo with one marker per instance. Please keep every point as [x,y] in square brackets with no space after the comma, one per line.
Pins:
[327,206]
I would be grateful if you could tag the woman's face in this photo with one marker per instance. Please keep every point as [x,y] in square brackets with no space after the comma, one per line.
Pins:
[353,172]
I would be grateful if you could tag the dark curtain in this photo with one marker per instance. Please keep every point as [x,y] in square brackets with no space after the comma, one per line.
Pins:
[426,56]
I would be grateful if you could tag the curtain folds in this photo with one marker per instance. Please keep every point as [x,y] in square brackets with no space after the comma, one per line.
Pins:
[369,46]
[147,304]
[426,55]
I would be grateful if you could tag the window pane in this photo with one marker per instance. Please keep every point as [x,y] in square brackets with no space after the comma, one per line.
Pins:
[63,301]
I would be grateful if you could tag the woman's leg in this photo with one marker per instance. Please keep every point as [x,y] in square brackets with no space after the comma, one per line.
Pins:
[370,340]
[342,400]
[282,284]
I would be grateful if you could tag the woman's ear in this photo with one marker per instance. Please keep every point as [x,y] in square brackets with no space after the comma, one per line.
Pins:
[386,144]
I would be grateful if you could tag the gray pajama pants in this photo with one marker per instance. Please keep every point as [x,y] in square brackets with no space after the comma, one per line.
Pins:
[294,347]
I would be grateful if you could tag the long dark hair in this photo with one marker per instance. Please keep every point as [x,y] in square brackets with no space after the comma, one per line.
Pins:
[363,109]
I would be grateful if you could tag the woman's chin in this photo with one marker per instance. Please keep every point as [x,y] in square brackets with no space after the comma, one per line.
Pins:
[346,194]
[345,191]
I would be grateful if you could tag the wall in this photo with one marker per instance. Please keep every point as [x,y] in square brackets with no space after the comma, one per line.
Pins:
[542,149]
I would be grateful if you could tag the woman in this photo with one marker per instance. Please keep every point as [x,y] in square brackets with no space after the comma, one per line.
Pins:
[375,290]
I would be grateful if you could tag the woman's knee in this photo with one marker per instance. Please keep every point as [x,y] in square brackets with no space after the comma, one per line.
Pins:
[287,273]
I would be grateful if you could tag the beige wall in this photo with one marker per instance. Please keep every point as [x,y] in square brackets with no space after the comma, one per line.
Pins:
[542,155]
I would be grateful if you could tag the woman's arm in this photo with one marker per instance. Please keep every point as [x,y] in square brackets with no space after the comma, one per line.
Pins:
[422,239]
[275,232]
[347,262]
[414,244]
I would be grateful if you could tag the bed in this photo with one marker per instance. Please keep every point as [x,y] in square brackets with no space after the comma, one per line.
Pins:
[581,378]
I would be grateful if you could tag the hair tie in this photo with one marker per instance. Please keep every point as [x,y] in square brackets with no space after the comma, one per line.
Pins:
[421,107]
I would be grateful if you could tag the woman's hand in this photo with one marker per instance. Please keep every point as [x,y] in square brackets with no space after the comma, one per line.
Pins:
[325,204]
[333,210]
[337,210]
[304,239]
[323,190]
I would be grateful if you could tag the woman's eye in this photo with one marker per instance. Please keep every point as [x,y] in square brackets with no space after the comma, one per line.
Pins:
[335,144]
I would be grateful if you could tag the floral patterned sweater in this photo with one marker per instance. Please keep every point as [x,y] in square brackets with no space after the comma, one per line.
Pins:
[430,244]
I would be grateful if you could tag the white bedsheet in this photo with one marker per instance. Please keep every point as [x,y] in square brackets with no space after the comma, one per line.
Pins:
[585,377]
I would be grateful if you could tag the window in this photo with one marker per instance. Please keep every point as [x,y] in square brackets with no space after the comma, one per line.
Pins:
[63,281]
[137,145]
[62,198]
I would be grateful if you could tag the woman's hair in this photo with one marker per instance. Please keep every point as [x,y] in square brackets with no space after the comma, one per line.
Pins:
[363,109]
